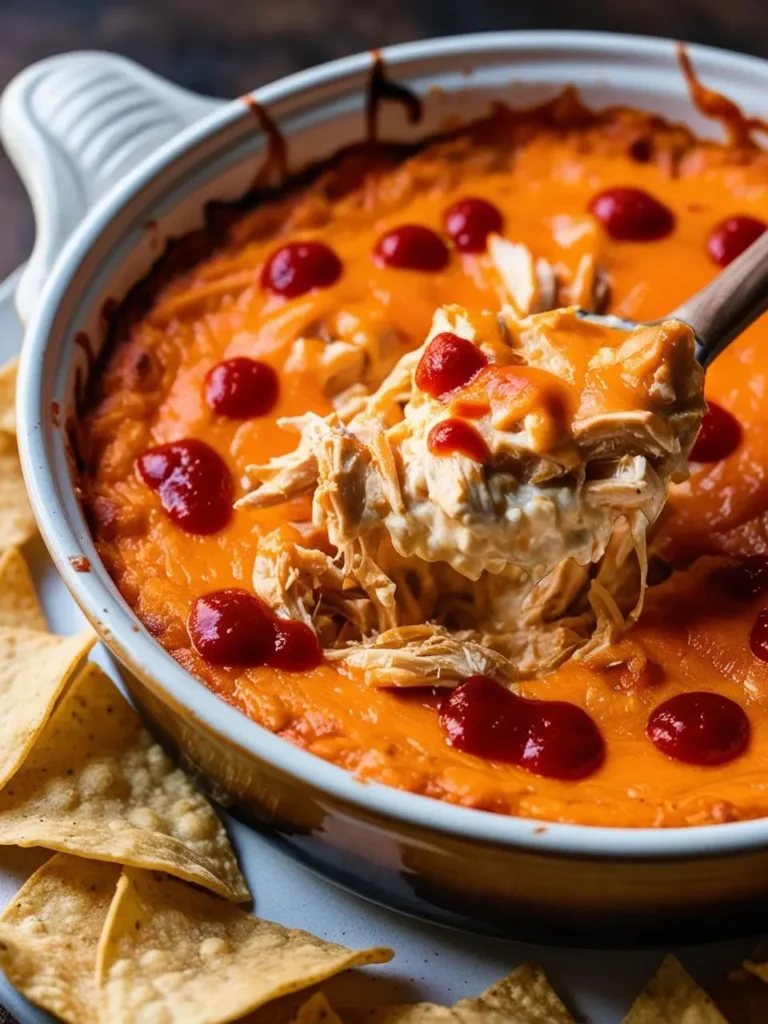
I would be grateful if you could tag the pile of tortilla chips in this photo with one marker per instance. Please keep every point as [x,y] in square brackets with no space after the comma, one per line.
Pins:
[135,917]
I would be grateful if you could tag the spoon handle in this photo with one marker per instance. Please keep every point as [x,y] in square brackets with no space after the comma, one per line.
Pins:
[729,303]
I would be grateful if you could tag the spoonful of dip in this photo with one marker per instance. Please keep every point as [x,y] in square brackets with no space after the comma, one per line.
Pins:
[486,508]
[502,441]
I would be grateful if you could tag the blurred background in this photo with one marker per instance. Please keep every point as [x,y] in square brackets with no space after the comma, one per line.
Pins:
[225,48]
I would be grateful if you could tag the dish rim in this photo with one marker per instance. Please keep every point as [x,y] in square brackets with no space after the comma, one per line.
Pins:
[143,655]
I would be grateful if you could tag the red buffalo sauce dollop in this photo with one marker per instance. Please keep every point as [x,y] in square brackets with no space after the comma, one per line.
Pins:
[449,362]
[455,437]
[700,728]
[732,236]
[233,627]
[241,388]
[719,435]
[193,483]
[469,221]
[632,215]
[412,247]
[298,267]
[550,738]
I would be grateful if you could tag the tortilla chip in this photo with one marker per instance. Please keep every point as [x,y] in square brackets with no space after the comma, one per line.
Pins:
[673,997]
[50,932]
[34,669]
[17,524]
[19,607]
[173,953]
[317,1011]
[523,997]
[8,372]
[97,785]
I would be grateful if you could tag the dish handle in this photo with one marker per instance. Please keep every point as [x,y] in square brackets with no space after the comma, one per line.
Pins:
[72,126]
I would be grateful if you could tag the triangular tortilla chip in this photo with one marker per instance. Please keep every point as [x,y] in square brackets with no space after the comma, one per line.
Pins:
[673,997]
[34,669]
[173,953]
[8,373]
[523,997]
[19,607]
[17,524]
[50,932]
[98,786]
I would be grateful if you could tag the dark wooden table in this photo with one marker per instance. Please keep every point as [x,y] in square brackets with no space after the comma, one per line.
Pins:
[224,49]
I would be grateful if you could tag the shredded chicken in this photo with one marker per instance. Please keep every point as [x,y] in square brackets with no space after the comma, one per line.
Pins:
[530,283]
[414,655]
[590,288]
[439,566]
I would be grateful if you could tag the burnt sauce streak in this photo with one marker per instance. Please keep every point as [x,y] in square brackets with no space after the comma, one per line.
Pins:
[738,127]
[83,342]
[110,305]
[275,166]
[381,88]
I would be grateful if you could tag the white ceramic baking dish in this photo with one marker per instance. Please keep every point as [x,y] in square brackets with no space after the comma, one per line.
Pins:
[75,126]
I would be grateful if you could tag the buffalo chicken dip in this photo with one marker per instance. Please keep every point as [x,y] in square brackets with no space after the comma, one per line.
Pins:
[358,461]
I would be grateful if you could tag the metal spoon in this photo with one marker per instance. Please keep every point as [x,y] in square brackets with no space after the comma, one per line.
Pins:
[722,309]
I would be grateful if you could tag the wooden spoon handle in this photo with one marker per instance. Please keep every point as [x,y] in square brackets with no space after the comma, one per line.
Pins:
[729,303]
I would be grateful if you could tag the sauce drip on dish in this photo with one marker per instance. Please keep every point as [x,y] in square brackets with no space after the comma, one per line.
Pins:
[275,165]
[382,88]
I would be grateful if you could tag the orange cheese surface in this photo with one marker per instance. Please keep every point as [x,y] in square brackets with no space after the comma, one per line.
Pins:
[541,171]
